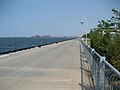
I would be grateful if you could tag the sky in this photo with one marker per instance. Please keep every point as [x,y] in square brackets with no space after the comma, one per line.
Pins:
[21,18]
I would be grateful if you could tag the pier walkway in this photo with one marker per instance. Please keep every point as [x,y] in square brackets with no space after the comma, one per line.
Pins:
[51,67]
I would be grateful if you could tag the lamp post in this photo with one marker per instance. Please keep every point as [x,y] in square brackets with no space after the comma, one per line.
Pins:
[84,20]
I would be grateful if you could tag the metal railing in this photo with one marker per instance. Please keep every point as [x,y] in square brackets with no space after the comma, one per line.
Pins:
[104,75]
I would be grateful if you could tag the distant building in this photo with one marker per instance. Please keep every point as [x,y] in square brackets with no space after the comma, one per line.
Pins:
[88,40]
[84,39]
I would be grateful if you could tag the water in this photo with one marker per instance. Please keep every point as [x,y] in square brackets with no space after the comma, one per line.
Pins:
[11,44]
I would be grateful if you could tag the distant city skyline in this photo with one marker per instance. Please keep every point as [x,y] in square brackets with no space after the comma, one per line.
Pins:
[20,18]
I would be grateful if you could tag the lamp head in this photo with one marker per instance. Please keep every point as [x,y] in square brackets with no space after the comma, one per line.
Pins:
[82,22]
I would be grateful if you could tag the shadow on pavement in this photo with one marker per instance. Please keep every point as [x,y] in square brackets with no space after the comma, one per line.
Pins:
[86,78]
[86,87]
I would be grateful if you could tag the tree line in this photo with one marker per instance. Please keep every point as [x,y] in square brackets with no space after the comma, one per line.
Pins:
[105,39]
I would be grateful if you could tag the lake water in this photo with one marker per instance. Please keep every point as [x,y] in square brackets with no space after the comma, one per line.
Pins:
[10,44]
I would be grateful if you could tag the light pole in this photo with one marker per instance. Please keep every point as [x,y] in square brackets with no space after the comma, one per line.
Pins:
[82,22]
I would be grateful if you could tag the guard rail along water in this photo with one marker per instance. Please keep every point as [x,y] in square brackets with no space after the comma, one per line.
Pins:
[105,76]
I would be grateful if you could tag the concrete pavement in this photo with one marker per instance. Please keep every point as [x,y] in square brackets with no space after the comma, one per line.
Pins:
[51,67]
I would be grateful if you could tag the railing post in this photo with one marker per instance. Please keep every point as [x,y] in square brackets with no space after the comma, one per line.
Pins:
[101,77]
[92,62]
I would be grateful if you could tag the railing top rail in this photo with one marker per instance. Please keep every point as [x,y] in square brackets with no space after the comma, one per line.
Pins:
[91,49]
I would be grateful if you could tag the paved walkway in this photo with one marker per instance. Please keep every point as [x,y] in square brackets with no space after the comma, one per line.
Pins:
[51,67]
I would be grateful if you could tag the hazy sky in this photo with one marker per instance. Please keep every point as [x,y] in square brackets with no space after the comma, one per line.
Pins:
[54,17]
